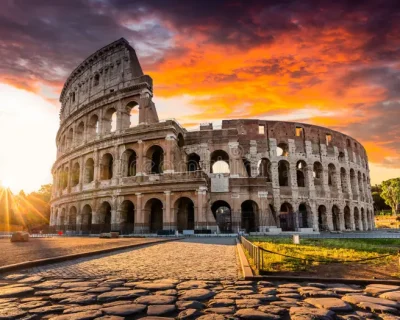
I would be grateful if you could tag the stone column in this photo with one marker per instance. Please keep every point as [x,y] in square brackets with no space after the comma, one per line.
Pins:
[139,163]
[169,155]
[96,168]
[352,221]
[139,219]
[116,167]
[234,158]
[81,172]
[168,220]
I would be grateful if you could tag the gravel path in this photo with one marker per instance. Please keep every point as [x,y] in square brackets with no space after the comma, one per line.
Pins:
[196,258]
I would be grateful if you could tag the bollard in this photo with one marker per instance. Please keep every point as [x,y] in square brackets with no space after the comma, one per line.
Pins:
[296,239]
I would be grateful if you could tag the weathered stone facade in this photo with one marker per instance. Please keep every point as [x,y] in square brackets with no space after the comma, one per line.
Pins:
[155,175]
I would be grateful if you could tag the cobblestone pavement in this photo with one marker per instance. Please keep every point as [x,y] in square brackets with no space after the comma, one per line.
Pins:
[33,297]
[40,248]
[193,258]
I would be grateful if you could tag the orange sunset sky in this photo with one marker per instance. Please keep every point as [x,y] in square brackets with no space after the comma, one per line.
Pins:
[331,63]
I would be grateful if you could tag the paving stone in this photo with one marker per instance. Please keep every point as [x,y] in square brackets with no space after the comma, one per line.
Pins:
[155,299]
[284,304]
[220,310]
[82,308]
[156,286]
[284,290]
[48,292]
[156,318]
[84,315]
[11,313]
[356,299]
[289,295]
[55,284]
[48,309]
[81,299]
[218,303]
[183,305]
[193,284]
[247,303]
[376,307]
[109,317]
[197,294]
[125,309]
[265,284]
[289,285]
[112,284]
[333,304]
[273,309]
[99,290]
[255,314]
[320,294]
[6,292]
[33,304]
[237,288]
[345,290]
[78,289]
[158,310]
[389,317]
[7,300]
[392,295]
[212,316]
[16,276]
[120,295]
[64,295]
[189,314]
[170,292]
[316,284]
[32,279]
[79,284]
[301,313]
[116,303]
[32,299]
[227,295]
[377,289]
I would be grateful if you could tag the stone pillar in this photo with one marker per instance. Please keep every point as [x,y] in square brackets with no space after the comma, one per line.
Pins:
[314,212]
[96,168]
[116,166]
[140,226]
[169,153]
[352,221]
[168,220]
[81,172]
[234,158]
[139,163]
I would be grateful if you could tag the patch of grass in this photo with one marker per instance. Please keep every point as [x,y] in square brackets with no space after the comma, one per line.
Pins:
[325,250]
[387,221]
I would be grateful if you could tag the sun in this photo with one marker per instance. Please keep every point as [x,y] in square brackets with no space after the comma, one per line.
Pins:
[6,183]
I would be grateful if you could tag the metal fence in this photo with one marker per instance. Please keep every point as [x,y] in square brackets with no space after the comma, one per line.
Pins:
[255,252]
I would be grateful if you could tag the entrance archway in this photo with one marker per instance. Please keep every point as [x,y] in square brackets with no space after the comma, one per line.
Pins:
[127,217]
[357,220]
[347,218]
[287,217]
[86,221]
[364,220]
[249,216]
[154,211]
[222,214]
[305,216]
[155,160]
[105,217]
[336,218]
[184,208]
[72,218]
[322,218]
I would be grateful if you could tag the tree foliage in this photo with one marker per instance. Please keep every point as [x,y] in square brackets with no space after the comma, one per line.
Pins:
[379,202]
[391,193]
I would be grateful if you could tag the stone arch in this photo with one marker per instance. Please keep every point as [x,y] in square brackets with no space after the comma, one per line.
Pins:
[360,185]
[287,217]
[96,80]
[133,115]
[62,217]
[219,162]
[193,162]
[86,218]
[80,133]
[93,127]
[70,138]
[341,156]
[65,176]
[264,169]
[343,180]
[336,217]
[129,160]
[72,218]
[317,173]
[107,167]
[184,209]
[322,218]
[62,146]
[127,217]
[353,181]
[89,170]
[75,174]
[155,160]
[347,218]
[282,150]
[305,216]
[180,140]
[247,166]
[110,120]
[105,217]
[154,215]
[249,216]
[284,173]
[332,175]
[301,173]
[364,219]
[357,219]
[223,215]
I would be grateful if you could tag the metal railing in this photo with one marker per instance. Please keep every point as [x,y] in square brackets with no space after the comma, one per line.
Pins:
[255,252]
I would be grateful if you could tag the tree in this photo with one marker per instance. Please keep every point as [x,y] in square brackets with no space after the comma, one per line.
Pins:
[391,193]
[379,202]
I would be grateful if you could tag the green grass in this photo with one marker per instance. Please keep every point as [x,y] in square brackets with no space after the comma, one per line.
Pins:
[327,250]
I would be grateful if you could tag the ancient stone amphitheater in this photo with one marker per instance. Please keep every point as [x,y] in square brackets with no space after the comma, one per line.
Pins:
[120,168]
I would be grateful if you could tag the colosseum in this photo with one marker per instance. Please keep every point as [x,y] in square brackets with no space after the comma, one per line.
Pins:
[119,168]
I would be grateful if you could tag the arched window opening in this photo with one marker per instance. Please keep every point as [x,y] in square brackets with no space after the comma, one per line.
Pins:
[132,165]
[305,216]
[96,80]
[282,150]
[360,185]
[80,133]
[336,218]
[341,156]
[332,175]
[129,159]
[72,218]
[184,208]
[286,217]
[73,96]
[284,172]
[193,162]
[62,221]
[353,181]
[222,214]
[93,127]
[127,217]
[180,140]
[110,121]
[75,174]
[343,180]
[301,173]
[364,220]
[106,167]
[89,170]
[65,176]
[317,173]
[264,169]
[70,138]
[247,166]
[133,111]
[86,220]
[62,147]
[357,220]
[105,217]
[154,215]
[322,218]
[249,216]
[347,218]
[155,160]
[220,162]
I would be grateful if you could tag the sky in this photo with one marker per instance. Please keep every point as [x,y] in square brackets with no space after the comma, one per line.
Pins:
[330,63]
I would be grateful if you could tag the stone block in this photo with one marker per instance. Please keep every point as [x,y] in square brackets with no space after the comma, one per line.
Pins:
[105,235]
[114,235]
[20,236]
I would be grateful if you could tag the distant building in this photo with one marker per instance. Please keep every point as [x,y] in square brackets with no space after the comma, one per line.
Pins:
[155,176]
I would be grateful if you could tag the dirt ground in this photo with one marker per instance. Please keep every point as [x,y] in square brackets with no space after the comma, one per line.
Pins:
[386,270]
[40,248]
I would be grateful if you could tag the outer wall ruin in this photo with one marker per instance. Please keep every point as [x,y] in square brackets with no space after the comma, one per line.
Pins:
[155,176]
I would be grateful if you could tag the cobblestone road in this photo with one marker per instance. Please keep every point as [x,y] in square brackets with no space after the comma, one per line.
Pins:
[196,258]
